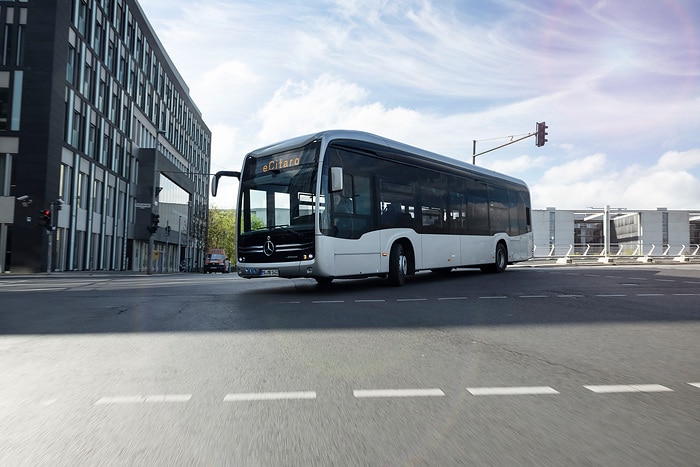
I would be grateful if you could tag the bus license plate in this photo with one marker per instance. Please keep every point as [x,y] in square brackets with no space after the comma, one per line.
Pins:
[270,272]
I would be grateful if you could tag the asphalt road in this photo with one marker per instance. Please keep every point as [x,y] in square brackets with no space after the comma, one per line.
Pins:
[536,366]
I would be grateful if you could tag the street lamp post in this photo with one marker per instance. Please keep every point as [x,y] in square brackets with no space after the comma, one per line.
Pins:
[179,239]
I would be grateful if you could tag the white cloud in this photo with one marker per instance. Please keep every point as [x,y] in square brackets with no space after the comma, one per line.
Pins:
[617,85]
[592,181]
[517,165]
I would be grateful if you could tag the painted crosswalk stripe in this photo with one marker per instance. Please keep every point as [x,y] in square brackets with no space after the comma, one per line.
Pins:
[512,391]
[361,393]
[269,396]
[614,388]
[144,399]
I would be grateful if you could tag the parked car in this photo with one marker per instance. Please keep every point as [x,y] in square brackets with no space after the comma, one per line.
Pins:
[216,261]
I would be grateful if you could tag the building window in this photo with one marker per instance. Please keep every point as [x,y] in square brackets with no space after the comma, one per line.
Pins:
[97,197]
[7,50]
[5,174]
[4,107]
[75,131]
[82,190]
[66,179]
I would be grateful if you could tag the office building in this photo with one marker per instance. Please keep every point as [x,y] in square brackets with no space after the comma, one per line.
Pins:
[99,133]
[631,232]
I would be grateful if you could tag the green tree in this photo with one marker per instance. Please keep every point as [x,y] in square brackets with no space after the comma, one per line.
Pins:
[222,231]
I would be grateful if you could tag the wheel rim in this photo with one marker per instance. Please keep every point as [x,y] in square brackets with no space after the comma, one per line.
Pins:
[403,264]
[501,258]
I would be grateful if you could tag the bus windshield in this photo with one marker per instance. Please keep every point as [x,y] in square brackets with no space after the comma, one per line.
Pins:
[277,191]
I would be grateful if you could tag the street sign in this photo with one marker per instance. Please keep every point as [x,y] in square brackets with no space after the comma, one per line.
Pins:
[142,205]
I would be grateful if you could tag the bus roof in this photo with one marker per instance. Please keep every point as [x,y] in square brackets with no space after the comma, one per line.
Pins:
[330,135]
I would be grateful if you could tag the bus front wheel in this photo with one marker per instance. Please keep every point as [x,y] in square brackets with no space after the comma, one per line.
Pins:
[398,265]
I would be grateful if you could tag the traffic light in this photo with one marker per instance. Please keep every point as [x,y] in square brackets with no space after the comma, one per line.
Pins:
[45,219]
[153,228]
[541,136]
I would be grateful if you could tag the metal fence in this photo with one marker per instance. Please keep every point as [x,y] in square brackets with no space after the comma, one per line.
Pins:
[622,251]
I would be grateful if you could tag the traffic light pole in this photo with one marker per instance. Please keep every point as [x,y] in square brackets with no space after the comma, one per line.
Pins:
[48,255]
[474,154]
[540,134]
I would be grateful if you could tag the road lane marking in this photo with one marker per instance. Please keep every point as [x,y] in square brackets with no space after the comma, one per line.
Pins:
[611,295]
[453,298]
[512,391]
[685,294]
[697,385]
[411,299]
[328,301]
[615,388]
[650,294]
[365,393]
[569,296]
[370,300]
[144,399]
[495,297]
[533,296]
[269,396]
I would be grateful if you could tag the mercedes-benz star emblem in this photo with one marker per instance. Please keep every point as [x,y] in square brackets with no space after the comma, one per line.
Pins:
[268,247]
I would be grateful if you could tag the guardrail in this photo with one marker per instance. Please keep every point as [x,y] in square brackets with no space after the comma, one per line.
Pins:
[594,251]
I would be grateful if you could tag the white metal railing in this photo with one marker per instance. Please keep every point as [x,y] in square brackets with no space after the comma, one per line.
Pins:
[620,251]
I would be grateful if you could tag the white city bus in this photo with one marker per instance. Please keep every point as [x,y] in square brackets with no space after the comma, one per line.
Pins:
[347,204]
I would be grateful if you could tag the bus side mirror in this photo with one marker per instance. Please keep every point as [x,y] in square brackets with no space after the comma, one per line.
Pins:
[218,175]
[336,179]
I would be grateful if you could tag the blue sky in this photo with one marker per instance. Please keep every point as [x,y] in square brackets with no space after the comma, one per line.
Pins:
[618,83]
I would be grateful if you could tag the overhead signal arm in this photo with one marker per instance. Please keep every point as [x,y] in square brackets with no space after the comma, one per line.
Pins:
[540,133]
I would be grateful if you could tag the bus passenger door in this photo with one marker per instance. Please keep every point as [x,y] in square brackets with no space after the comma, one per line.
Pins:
[440,249]
[356,242]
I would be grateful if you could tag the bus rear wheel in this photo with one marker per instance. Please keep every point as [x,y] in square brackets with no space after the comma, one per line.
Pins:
[398,265]
[500,260]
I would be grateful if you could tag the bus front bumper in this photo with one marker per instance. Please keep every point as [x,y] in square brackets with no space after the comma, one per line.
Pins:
[297,269]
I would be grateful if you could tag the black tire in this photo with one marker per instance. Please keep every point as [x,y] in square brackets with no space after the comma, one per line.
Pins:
[398,265]
[441,271]
[500,261]
[324,281]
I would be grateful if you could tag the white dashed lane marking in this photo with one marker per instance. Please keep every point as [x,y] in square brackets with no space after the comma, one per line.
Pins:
[492,297]
[269,396]
[604,389]
[364,393]
[369,393]
[512,391]
[144,399]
